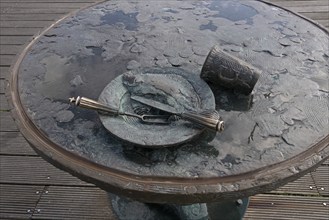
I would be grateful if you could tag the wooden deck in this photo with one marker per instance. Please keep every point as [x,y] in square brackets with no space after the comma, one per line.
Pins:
[31,188]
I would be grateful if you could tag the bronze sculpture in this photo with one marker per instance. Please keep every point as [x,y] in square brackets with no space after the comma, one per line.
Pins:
[223,69]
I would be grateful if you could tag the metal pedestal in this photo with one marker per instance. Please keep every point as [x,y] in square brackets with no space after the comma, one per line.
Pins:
[128,209]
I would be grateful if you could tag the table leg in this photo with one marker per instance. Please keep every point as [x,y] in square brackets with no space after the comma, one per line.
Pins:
[128,209]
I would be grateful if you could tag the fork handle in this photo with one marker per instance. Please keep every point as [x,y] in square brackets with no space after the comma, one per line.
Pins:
[94,105]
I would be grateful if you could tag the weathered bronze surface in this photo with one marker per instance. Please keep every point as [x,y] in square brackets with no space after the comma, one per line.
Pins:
[126,208]
[208,118]
[159,119]
[280,136]
[183,91]
[224,70]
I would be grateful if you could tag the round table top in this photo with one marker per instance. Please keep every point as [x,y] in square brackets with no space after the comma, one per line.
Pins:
[281,136]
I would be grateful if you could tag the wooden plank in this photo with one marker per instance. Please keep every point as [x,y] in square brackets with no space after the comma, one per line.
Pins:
[299,3]
[58,206]
[50,1]
[7,122]
[3,103]
[6,60]
[14,40]
[267,0]
[4,72]
[42,5]
[302,186]
[316,8]
[25,23]
[31,17]
[19,31]
[323,22]
[34,171]
[287,207]
[3,86]
[13,143]
[10,49]
[18,201]
[316,15]
[321,179]
[74,203]
[321,14]
[35,10]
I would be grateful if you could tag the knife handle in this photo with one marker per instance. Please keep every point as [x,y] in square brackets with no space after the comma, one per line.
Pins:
[209,119]
[94,105]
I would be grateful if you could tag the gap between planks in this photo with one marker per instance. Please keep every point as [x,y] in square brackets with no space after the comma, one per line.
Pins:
[34,171]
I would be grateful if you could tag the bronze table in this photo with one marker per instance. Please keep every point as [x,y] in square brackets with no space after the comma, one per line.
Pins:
[280,137]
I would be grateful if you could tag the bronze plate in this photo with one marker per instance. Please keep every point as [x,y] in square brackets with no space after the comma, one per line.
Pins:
[132,130]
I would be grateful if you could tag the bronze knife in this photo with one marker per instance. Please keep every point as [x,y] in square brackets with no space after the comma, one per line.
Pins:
[208,118]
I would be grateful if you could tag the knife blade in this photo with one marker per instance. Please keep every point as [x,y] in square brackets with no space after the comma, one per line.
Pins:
[155,104]
[208,118]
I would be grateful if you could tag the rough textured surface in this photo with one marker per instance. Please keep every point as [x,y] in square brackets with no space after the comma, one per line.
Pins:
[223,70]
[265,135]
[175,87]
[126,208]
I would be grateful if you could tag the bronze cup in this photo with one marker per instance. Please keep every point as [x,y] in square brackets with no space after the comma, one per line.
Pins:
[224,70]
